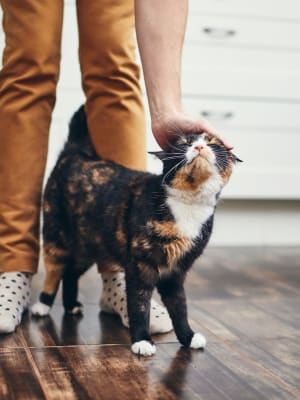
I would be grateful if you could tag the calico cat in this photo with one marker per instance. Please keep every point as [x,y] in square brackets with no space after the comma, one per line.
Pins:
[153,226]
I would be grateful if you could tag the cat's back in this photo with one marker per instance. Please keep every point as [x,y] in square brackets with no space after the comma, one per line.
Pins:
[86,181]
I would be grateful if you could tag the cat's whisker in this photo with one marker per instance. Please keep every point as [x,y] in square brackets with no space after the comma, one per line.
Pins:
[171,158]
[172,169]
[176,148]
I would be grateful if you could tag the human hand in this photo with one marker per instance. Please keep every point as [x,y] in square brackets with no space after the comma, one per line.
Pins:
[165,127]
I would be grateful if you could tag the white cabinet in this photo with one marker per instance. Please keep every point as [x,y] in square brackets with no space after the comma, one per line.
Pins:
[266,9]
[241,70]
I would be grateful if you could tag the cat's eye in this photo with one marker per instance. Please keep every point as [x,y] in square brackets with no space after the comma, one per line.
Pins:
[189,140]
[208,138]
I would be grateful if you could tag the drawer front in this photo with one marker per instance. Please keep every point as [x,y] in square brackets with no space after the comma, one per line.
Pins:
[238,115]
[271,167]
[266,137]
[288,9]
[233,31]
[240,72]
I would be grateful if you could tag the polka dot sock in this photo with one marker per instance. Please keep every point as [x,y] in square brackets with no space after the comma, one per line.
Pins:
[15,289]
[113,300]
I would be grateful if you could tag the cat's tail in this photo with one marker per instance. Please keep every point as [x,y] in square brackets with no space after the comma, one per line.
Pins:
[78,138]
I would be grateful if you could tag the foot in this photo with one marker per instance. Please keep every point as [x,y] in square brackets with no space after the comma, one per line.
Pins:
[39,309]
[15,290]
[113,301]
[143,348]
[198,341]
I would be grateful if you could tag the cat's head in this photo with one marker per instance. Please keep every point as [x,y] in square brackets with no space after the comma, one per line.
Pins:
[195,158]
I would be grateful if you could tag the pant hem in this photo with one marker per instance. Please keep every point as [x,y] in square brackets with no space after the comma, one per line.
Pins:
[29,265]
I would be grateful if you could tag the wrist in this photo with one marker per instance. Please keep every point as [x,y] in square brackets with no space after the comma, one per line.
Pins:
[161,115]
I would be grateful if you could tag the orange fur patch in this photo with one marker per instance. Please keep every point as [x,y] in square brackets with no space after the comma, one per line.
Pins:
[121,237]
[101,176]
[189,178]
[225,174]
[177,248]
[179,244]
[141,243]
[51,250]
[167,228]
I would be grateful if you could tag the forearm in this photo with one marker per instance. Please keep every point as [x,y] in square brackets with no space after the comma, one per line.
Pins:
[160,26]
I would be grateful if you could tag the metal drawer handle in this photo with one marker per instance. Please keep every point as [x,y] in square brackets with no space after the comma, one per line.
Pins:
[216,115]
[219,32]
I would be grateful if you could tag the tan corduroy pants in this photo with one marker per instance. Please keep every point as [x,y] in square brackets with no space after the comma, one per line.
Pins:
[27,96]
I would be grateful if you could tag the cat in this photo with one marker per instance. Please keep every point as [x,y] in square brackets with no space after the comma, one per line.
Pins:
[153,226]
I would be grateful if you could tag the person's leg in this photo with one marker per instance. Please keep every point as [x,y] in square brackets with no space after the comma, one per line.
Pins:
[115,113]
[27,95]
[110,77]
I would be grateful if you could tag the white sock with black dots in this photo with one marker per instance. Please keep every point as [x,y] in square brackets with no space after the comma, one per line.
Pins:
[113,300]
[15,291]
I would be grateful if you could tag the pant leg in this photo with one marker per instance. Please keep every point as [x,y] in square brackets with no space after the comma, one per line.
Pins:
[111,80]
[27,95]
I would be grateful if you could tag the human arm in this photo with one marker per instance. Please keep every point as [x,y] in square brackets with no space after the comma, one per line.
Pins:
[160,27]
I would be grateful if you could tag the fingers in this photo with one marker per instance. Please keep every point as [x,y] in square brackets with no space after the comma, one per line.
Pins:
[164,130]
[208,127]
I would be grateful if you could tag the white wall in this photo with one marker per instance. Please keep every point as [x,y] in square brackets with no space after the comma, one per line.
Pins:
[263,220]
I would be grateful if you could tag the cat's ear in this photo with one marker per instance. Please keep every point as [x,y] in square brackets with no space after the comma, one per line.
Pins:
[159,154]
[235,158]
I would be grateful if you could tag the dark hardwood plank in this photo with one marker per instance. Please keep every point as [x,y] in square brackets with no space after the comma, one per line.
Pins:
[17,378]
[255,378]
[246,320]
[93,327]
[114,373]
[245,300]
[11,340]
[280,356]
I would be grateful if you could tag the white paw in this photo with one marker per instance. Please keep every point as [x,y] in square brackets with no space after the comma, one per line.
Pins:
[198,341]
[143,348]
[40,309]
[77,310]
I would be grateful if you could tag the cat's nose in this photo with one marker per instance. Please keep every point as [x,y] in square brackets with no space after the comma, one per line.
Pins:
[199,147]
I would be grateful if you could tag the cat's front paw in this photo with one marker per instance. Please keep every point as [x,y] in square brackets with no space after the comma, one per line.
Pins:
[40,309]
[77,309]
[198,341]
[143,348]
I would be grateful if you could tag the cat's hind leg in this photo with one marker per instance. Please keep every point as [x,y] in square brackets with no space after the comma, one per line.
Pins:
[70,291]
[55,252]
[55,258]
[138,303]
[173,296]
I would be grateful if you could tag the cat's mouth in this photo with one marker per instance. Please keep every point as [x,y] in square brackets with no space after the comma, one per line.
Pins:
[202,155]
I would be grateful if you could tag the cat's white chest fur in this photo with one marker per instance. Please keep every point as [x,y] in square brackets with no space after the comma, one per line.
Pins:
[192,210]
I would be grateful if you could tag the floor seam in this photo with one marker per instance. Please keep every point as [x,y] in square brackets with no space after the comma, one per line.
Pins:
[33,364]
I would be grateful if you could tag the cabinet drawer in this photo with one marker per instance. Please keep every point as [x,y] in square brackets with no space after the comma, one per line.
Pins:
[288,9]
[267,138]
[232,31]
[271,168]
[240,72]
[238,115]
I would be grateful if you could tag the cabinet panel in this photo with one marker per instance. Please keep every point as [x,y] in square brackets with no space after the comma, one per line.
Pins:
[267,117]
[288,9]
[271,167]
[266,137]
[241,72]
[233,31]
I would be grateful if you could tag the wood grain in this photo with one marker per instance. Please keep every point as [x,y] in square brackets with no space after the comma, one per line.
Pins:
[244,300]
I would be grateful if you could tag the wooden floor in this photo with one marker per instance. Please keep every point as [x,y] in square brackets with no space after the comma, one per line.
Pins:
[246,302]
